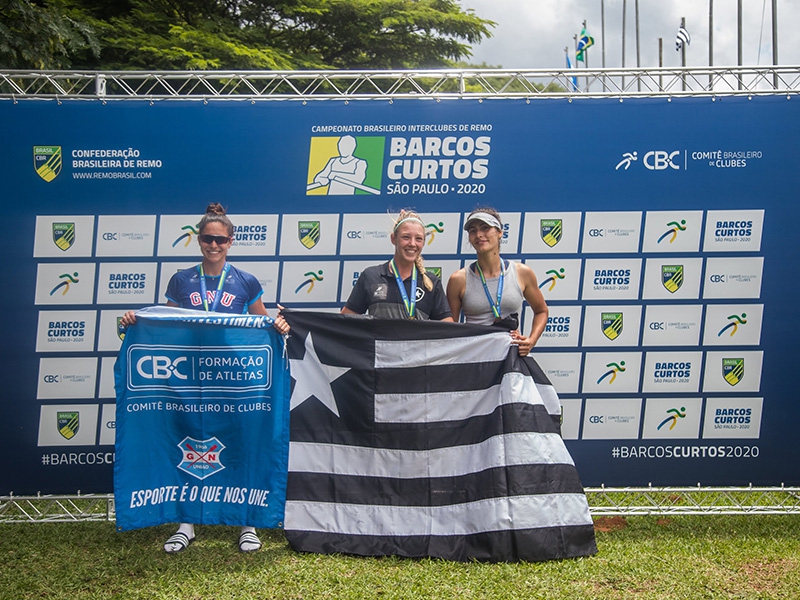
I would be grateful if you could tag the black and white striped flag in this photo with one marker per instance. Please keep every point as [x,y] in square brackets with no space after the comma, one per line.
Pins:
[682,38]
[420,438]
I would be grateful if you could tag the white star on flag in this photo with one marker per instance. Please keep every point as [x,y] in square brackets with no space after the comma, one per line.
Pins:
[313,378]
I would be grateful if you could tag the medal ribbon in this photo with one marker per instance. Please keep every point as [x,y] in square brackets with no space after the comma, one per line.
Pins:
[495,306]
[218,294]
[410,304]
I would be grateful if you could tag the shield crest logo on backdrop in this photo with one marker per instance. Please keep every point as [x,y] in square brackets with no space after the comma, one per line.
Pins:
[47,161]
[68,423]
[308,232]
[64,235]
[611,324]
[201,457]
[550,230]
[733,370]
[435,270]
[672,277]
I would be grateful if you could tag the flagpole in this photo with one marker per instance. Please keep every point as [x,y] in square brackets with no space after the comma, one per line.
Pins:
[660,63]
[624,10]
[775,41]
[683,57]
[586,58]
[603,36]
[575,40]
[739,27]
[638,61]
[710,41]
[571,78]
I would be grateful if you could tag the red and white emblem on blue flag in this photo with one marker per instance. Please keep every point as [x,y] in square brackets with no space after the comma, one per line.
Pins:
[201,458]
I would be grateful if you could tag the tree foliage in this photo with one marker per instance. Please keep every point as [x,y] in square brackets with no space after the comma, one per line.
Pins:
[240,34]
[42,36]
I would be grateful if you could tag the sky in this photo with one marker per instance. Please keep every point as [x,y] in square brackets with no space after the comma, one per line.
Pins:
[532,34]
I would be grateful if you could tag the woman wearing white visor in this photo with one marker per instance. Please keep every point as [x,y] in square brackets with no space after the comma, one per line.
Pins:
[491,290]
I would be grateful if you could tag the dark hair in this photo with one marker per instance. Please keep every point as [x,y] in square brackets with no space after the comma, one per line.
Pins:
[215,213]
[486,209]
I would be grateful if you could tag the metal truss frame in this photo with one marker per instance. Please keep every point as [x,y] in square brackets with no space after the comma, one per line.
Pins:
[603,501]
[436,85]
[443,84]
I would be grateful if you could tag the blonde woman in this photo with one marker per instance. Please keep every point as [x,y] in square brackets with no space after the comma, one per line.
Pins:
[401,288]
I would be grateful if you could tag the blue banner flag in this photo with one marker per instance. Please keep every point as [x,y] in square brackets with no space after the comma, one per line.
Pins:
[422,438]
[573,78]
[202,420]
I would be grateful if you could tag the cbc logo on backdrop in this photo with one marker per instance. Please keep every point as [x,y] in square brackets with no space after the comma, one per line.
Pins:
[659,160]
[654,160]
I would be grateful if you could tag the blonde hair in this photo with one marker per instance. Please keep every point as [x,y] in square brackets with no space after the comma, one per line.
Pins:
[405,216]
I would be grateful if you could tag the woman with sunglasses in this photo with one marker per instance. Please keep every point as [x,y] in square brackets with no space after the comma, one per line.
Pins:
[217,286]
[491,290]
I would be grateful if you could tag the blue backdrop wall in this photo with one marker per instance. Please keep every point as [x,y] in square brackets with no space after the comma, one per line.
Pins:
[660,231]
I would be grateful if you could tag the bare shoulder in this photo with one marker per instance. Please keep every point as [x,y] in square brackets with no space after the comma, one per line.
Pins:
[457,282]
[525,274]
[459,277]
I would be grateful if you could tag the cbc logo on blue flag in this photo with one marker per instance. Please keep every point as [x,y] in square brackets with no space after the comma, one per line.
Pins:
[160,367]
[154,367]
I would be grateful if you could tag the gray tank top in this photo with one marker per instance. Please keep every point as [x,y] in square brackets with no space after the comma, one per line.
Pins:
[475,305]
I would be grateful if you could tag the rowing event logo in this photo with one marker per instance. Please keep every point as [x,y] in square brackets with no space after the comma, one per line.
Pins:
[733,324]
[310,279]
[612,371]
[201,458]
[733,370]
[431,229]
[186,236]
[673,227]
[611,323]
[68,423]
[47,161]
[555,276]
[551,231]
[672,419]
[65,279]
[308,232]
[64,235]
[345,166]
[672,277]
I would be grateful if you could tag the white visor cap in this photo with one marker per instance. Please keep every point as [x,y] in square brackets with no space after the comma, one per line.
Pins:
[485,217]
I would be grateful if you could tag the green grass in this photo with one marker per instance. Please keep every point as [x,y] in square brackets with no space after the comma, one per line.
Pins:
[648,557]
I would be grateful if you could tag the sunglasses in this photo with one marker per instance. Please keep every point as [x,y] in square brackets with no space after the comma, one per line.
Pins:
[219,239]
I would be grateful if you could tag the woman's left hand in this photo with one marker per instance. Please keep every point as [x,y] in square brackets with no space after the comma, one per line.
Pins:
[280,323]
[524,343]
